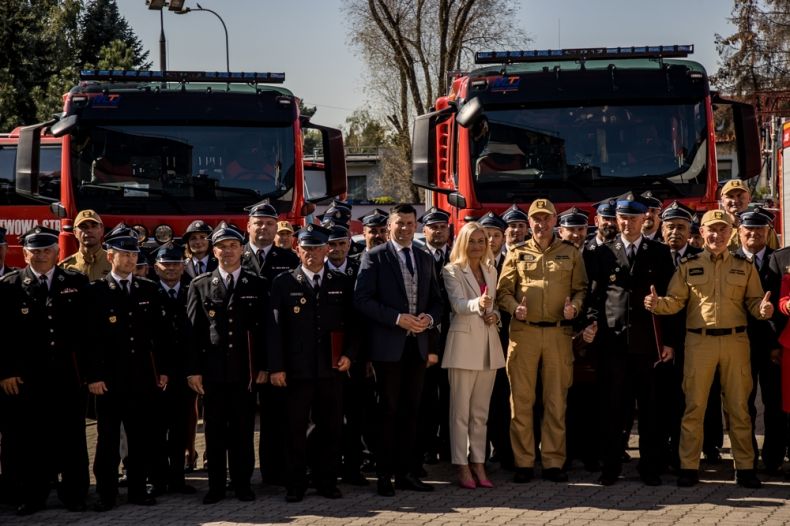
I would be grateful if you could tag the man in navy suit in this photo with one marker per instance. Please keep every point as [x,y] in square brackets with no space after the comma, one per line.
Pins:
[398,291]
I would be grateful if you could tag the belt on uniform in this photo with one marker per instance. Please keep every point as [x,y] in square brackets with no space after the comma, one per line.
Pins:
[563,323]
[718,332]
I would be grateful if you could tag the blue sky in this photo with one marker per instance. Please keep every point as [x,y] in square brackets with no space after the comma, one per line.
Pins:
[308,39]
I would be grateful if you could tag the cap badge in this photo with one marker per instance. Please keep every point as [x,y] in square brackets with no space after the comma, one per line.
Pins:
[297,309]
[541,203]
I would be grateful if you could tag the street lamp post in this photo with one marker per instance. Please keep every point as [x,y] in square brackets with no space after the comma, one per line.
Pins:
[224,27]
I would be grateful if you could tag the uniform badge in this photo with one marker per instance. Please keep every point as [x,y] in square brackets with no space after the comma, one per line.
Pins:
[27,281]
[112,286]
[297,309]
[113,319]
[244,280]
[212,313]
[350,271]
[618,246]
[136,284]
[61,278]
[613,278]
[215,281]
[24,310]
[302,300]
[298,277]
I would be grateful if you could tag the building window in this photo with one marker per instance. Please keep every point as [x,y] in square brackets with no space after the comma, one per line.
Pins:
[358,188]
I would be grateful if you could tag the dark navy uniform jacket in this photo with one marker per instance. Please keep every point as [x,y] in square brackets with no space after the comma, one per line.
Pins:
[42,336]
[278,260]
[301,332]
[227,330]
[128,350]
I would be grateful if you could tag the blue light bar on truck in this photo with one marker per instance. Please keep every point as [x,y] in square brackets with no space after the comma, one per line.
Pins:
[593,53]
[116,75]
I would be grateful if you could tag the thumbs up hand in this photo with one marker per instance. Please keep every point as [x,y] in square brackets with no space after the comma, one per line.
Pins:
[589,332]
[568,311]
[766,308]
[651,300]
[521,310]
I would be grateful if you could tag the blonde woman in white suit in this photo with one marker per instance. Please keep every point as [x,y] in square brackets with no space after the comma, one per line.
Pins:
[473,351]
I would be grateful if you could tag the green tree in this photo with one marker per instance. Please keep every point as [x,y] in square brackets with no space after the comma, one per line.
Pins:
[101,24]
[363,131]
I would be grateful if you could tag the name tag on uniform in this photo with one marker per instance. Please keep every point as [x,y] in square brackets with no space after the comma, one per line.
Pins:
[249,297]
[737,271]
[335,292]
[297,294]
[696,271]
[143,303]
[526,257]
[561,257]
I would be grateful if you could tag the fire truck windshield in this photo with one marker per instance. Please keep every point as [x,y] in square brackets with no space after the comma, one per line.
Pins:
[589,152]
[181,169]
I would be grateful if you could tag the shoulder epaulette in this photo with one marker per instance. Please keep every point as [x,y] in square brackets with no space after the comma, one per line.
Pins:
[741,256]
[569,243]
[520,244]
[203,276]
[9,274]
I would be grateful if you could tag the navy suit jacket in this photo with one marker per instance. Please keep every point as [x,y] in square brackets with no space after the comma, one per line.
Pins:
[380,295]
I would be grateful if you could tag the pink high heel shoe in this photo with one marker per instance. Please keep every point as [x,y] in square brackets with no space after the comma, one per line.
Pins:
[482,483]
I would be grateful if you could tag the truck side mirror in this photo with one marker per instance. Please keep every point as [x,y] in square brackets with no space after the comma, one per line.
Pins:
[747,136]
[470,113]
[334,165]
[423,148]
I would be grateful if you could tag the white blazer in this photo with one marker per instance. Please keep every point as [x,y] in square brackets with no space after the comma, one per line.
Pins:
[469,338]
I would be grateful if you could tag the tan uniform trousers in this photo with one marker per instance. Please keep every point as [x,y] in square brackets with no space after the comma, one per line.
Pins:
[529,348]
[470,397]
[703,354]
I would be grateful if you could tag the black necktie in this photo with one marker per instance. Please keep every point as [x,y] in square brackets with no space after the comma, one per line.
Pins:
[125,285]
[409,265]
[261,258]
[43,285]
[316,283]
[631,254]
[437,255]
[676,256]
[231,284]
[172,293]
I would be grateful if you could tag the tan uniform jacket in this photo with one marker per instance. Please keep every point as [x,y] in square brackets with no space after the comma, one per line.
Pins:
[95,265]
[545,278]
[718,290]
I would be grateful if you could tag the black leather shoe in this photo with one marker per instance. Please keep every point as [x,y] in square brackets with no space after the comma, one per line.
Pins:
[212,497]
[384,487]
[103,505]
[688,478]
[76,507]
[28,509]
[650,479]
[183,489]
[294,495]
[711,457]
[523,475]
[355,479]
[608,479]
[747,478]
[330,492]
[592,466]
[143,500]
[554,475]
[410,482]
[245,494]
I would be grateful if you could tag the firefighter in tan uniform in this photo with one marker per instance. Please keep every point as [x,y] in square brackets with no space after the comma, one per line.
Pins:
[91,258]
[542,285]
[735,199]
[718,288]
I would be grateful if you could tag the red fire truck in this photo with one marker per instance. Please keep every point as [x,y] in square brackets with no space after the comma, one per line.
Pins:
[157,150]
[19,213]
[576,126]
